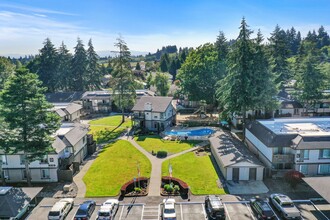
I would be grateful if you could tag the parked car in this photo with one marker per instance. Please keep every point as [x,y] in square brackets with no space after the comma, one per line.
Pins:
[61,209]
[108,210]
[285,206]
[214,207]
[262,209]
[168,212]
[85,210]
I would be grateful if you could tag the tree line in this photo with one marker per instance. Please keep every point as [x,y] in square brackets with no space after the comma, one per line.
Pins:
[59,70]
[246,73]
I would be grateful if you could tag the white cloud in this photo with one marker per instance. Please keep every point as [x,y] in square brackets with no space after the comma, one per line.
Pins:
[34,9]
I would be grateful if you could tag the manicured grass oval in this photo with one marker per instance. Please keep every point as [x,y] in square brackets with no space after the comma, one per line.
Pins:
[197,171]
[113,167]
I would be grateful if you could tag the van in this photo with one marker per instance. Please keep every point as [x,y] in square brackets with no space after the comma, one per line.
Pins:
[214,207]
[60,209]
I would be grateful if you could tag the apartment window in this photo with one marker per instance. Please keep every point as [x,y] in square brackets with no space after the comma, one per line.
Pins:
[305,154]
[155,116]
[22,159]
[45,174]
[324,169]
[51,160]
[161,115]
[4,159]
[44,159]
[303,168]
[325,154]
[24,174]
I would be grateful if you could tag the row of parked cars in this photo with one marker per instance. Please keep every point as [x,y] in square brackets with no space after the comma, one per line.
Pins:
[261,207]
[62,208]
[215,209]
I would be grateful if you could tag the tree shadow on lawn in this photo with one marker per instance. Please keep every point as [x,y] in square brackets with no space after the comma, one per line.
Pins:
[107,135]
[219,173]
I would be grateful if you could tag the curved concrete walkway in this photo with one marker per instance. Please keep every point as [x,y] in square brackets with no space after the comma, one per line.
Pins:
[156,168]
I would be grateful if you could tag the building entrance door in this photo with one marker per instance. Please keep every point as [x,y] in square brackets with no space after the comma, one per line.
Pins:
[235,174]
[253,174]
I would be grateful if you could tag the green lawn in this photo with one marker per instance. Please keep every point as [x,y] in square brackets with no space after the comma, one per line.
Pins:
[115,166]
[197,171]
[156,143]
[108,128]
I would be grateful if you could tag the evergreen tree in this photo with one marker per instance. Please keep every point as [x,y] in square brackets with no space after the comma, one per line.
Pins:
[262,79]
[236,91]
[221,45]
[123,80]
[93,69]
[310,81]
[78,67]
[137,66]
[279,52]
[293,41]
[164,63]
[64,62]
[28,118]
[149,81]
[183,55]
[172,69]
[48,66]
[7,69]
[323,38]
[161,83]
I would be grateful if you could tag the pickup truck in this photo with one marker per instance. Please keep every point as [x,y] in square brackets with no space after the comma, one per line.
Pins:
[285,206]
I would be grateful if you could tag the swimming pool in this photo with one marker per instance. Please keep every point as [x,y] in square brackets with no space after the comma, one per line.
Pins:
[191,132]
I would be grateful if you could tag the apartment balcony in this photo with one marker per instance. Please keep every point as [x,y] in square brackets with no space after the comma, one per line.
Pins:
[283,158]
[66,162]
[138,116]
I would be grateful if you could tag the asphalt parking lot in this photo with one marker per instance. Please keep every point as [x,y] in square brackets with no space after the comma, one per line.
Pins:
[235,210]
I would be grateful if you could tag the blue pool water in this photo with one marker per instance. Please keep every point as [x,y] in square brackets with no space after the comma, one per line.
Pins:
[191,132]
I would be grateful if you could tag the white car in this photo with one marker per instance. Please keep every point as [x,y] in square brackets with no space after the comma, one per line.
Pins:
[108,209]
[285,206]
[61,209]
[169,209]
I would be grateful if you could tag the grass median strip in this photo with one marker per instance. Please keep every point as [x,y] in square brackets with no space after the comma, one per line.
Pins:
[115,165]
[197,171]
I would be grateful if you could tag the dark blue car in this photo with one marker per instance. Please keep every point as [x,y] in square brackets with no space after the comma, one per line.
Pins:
[85,210]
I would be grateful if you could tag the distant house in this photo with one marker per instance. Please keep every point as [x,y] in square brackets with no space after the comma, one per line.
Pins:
[70,146]
[154,113]
[289,108]
[15,202]
[235,161]
[302,144]
[64,97]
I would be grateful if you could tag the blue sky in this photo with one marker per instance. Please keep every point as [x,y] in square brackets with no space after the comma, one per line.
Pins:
[149,24]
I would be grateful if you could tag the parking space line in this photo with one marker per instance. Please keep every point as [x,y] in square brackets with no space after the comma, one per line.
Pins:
[159,211]
[227,213]
[250,211]
[318,209]
[181,212]
[121,213]
[142,214]
[273,211]
[203,210]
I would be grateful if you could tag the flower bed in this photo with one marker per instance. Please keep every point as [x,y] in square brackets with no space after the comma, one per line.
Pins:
[184,188]
[129,188]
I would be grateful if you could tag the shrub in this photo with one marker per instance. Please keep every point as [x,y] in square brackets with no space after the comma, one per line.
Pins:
[161,154]
[137,189]
[169,187]
[176,188]
[293,177]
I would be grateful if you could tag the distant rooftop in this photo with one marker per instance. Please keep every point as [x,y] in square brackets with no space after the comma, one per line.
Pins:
[302,126]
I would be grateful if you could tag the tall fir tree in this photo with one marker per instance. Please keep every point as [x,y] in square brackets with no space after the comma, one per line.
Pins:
[64,68]
[279,52]
[123,80]
[78,67]
[7,69]
[322,38]
[48,66]
[172,69]
[164,63]
[28,120]
[236,91]
[93,69]
[221,45]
